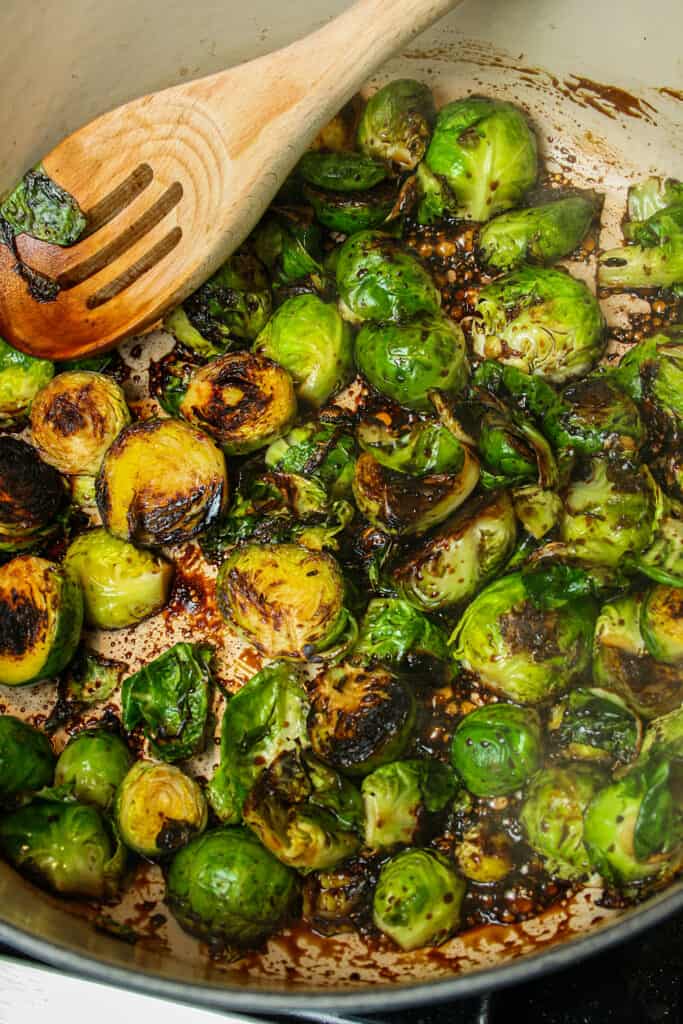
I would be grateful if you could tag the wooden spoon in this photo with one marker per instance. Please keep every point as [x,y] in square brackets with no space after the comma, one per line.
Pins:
[172,183]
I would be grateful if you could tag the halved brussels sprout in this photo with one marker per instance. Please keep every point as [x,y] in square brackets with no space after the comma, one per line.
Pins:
[663,738]
[552,818]
[121,584]
[662,561]
[158,808]
[656,258]
[484,855]
[661,622]
[161,482]
[404,505]
[75,418]
[66,847]
[538,510]
[540,320]
[287,599]
[360,718]
[595,416]
[348,212]
[405,361]
[595,725]
[41,615]
[27,762]
[400,797]
[345,172]
[379,280]
[394,632]
[21,378]
[497,748]
[652,372]
[92,766]
[309,338]
[169,697]
[486,153]
[323,450]
[225,888]
[261,721]
[519,649]
[243,401]
[32,497]
[448,567]
[418,448]
[396,124]
[418,898]
[540,234]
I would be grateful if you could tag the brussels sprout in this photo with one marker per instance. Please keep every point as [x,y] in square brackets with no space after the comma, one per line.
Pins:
[41,614]
[26,761]
[91,678]
[662,561]
[419,449]
[656,258]
[484,855]
[397,123]
[304,813]
[632,831]
[224,887]
[379,280]
[169,379]
[32,497]
[394,632]
[594,416]
[661,622]
[21,378]
[485,152]
[512,449]
[121,584]
[652,372]
[348,212]
[66,847]
[333,899]
[309,338]
[262,720]
[158,808]
[524,652]
[404,505]
[41,208]
[496,748]
[651,195]
[321,450]
[75,418]
[540,320]
[405,361]
[540,234]
[539,511]
[610,514]
[360,718]
[552,818]
[622,662]
[92,765]
[595,725]
[290,245]
[398,797]
[418,898]
[663,738]
[169,697]
[161,482]
[234,303]
[344,172]
[448,567]
[243,401]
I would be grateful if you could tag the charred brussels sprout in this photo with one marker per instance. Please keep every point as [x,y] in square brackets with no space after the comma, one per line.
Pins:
[41,208]
[348,212]
[404,505]
[243,401]
[121,584]
[75,418]
[32,497]
[41,614]
[449,566]
[394,632]
[485,153]
[360,718]
[405,361]
[225,888]
[540,320]
[27,762]
[169,697]
[595,725]
[92,765]
[540,234]
[652,372]
[287,599]
[418,898]
[399,799]
[520,649]
[332,900]
[552,818]
[21,378]
[322,450]
[397,123]
[419,449]
[378,280]
[66,847]
[661,621]
[345,172]
[496,748]
[594,416]
[309,338]
[158,808]
[161,482]
[262,720]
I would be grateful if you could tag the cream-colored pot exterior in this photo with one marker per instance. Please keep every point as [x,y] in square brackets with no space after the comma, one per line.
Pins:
[65,61]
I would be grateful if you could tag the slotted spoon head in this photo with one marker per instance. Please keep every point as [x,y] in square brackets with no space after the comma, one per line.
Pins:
[173,182]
